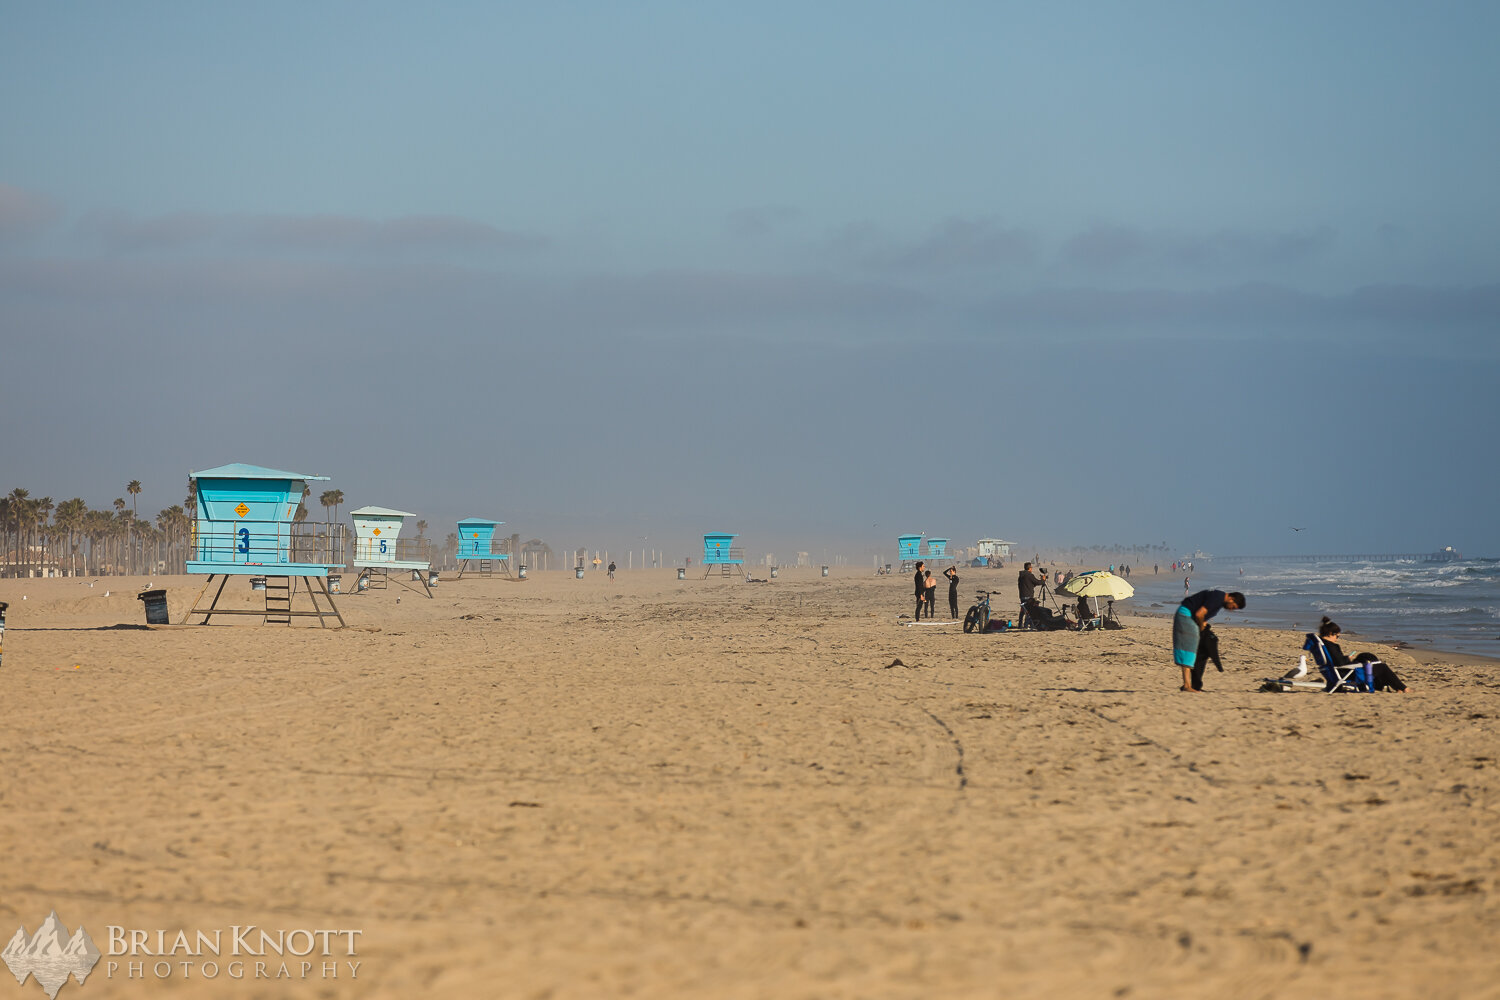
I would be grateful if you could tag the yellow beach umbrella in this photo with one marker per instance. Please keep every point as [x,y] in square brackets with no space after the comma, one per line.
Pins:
[1098,584]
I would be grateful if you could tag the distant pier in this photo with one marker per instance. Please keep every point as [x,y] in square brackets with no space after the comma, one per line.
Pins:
[1375,557]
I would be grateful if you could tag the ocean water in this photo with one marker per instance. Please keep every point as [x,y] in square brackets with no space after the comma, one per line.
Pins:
[1448,606]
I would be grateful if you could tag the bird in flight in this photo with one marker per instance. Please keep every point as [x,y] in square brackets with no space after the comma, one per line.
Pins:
[1296,529]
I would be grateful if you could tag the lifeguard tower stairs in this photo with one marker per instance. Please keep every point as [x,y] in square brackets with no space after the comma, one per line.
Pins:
[379,551]
[478,546]
[720,552]
[246,525]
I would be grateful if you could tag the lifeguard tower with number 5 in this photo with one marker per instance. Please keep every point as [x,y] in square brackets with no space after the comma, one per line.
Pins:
[720,552]
[246,525]
[476,544]
[379,550]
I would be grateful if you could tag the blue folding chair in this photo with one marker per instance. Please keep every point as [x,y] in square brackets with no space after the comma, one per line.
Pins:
[1352,676]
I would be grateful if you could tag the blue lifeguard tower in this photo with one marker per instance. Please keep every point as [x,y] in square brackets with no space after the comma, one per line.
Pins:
[379,549]
[937,549]
[719,551]
[476,543]
[245,525]
[908,550]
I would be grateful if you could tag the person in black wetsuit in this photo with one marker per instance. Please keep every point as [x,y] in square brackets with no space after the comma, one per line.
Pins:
[952,574]
[921,584]
[1190,621]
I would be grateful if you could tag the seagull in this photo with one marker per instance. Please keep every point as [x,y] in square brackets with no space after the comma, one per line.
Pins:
[1297,529]
[1300,670]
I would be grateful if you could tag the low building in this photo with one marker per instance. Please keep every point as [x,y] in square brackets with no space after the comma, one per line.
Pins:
[991,548]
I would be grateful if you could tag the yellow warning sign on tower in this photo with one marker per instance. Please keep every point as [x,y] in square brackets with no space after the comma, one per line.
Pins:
[242,510]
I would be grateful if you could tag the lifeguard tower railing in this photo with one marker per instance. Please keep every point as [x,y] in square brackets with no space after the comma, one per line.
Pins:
[402,550]
[377,558]
[271,544]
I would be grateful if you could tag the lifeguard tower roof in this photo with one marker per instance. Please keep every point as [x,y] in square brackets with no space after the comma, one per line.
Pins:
[239,470]
[381,512]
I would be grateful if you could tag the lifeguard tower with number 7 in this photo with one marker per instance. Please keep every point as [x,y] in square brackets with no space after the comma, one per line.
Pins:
[719,551]
[246,526]
[379,550]
[476,543]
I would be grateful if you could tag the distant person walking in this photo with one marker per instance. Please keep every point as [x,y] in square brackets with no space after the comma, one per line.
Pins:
[1185,587]
[920,580]
[1190,621]
[611,569]
[952,574]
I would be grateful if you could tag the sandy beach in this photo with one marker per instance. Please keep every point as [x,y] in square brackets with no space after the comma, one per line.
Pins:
[567,788]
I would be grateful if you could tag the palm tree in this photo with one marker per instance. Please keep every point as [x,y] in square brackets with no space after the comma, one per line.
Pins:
[421,528]
[115,532]
[41,512]
[134,489]
[69,518]
[332,498]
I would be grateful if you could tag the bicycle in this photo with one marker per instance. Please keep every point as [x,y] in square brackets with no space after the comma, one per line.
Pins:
[978,617]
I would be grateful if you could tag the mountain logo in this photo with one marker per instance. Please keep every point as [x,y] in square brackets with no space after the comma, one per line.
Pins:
[50,955]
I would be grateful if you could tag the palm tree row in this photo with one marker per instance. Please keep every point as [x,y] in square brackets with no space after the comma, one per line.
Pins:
[39,537]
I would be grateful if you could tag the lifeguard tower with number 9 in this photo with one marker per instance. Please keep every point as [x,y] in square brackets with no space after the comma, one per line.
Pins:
[379,550]
[476,543]
[246,525]
[719,551]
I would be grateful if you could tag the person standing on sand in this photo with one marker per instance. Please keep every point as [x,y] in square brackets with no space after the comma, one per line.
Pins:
[931,593]
[920,580]
[952,574]
[611,569]
[1190,621]
[1185,587]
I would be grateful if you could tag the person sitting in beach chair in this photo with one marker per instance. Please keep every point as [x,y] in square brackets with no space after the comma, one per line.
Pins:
[1365,672]
[1088,616]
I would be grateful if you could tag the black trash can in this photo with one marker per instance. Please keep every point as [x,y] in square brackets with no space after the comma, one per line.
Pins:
[156,607]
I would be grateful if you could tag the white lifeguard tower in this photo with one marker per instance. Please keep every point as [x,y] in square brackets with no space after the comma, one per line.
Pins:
[379,550]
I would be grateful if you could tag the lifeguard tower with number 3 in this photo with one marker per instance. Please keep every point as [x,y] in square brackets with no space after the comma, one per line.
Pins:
[246,525]
[477,544]
[720,552]
[379,551]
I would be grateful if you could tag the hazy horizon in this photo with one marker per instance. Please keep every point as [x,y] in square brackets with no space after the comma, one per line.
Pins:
[1104,275]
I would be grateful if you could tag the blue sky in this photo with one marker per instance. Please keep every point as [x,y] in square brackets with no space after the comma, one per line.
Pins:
[608,271]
